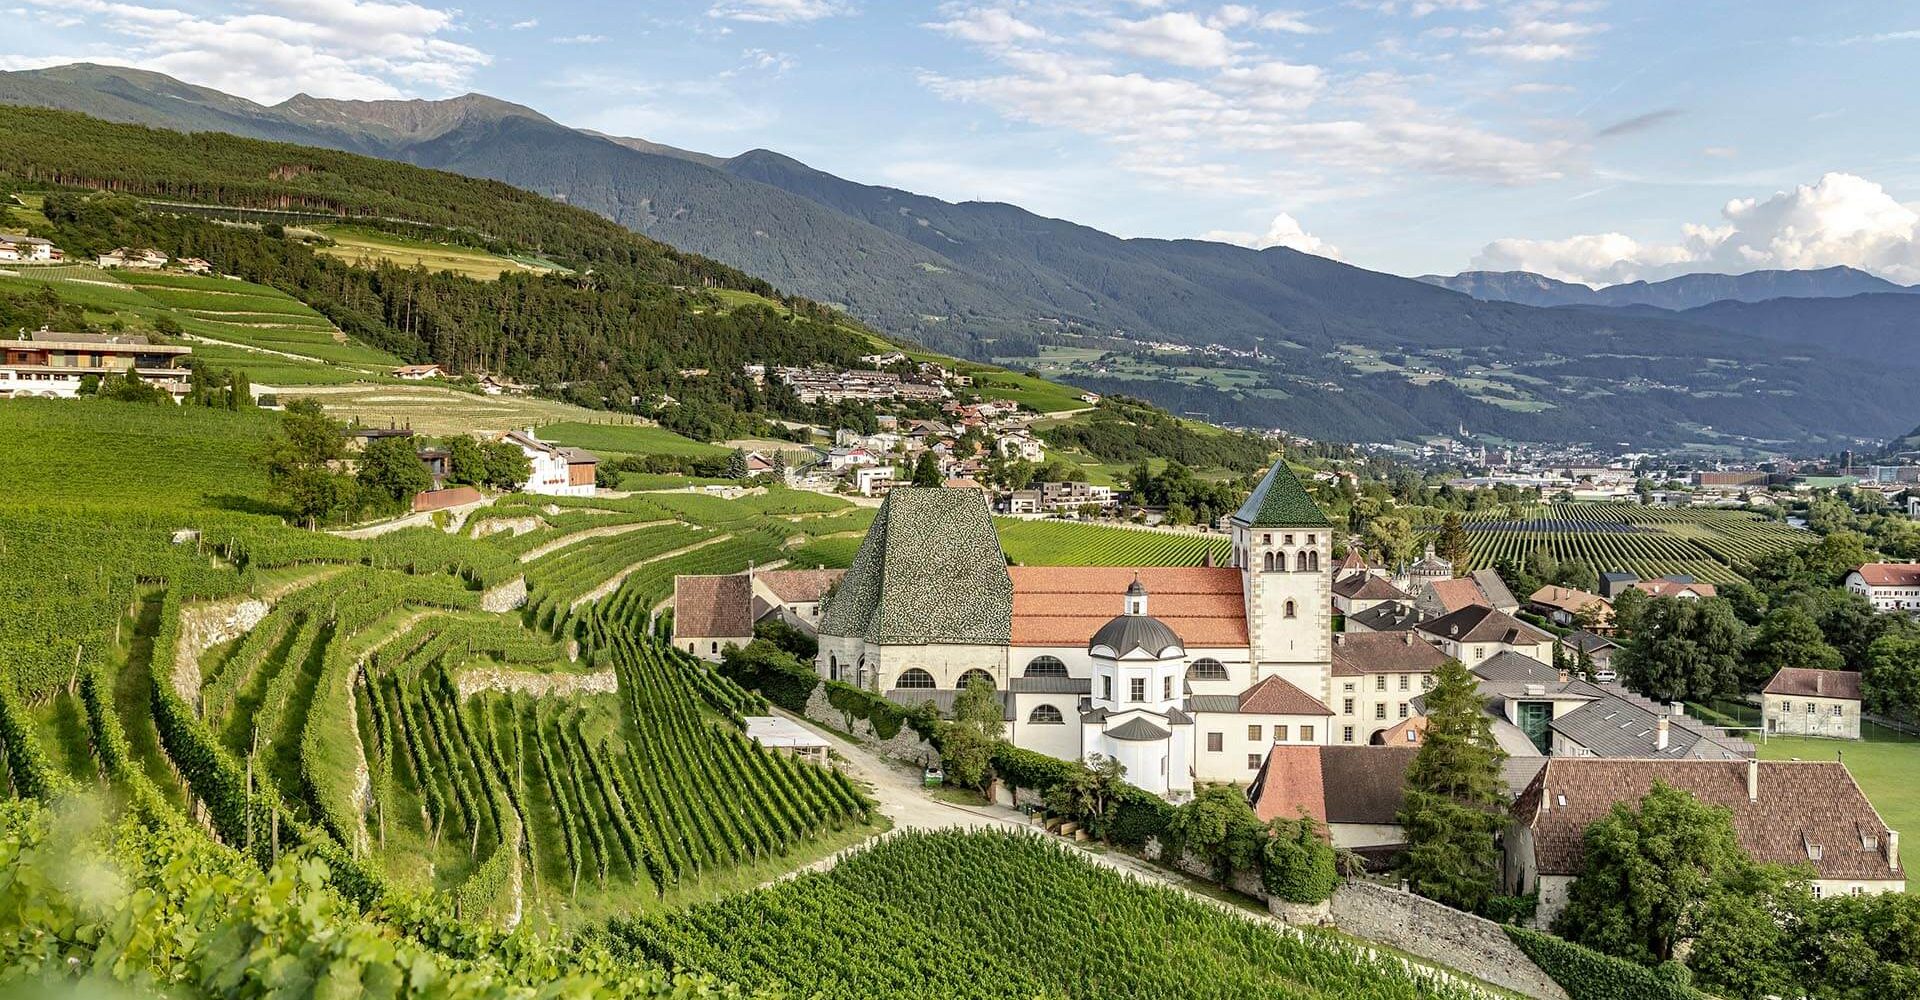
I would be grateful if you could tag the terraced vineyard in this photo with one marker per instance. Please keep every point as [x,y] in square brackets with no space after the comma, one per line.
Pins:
[1715,546]
[1066,543]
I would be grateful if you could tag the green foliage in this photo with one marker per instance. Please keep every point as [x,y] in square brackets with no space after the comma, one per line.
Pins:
[772,671]
[1454,797]
[1789,637]
[926,470]
[1589,975]
[1122,430]
[391,471]
[1218,826]
[1297,863]
[1683,650]
[977,915]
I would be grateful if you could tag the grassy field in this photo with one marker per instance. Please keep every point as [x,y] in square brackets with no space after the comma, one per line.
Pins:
[438,410]
[616,440]
[353,245]
[1885,763]
[136,455]
[1068,543]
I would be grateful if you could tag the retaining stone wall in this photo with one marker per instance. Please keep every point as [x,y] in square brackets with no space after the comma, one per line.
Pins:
[1442,934]
[506,596]
[906,745]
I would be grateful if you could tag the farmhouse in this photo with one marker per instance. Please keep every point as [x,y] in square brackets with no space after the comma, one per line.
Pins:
[1567,605]
[146,260]
[1784,812]
[711,613]
[418,373]
[54,365]
[1889,586]
[1804,702]
[1182,674]
[557,471]
[28,248]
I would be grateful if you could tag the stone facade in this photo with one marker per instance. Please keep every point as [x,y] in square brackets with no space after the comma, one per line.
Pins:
[1442,934]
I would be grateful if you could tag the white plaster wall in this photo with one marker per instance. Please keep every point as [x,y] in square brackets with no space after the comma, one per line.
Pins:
[1062,741]
[1230,763]
[1354,836]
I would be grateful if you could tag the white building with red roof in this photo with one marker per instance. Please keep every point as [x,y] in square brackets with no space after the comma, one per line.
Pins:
[1183,674]
[1890,586]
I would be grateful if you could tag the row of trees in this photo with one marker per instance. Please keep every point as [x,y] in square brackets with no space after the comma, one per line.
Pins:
[307,457]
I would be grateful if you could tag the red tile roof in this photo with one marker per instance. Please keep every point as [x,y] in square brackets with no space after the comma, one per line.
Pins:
[1457,593]
[1274,696]
[1065,605]
[1356,653]
[1890,574]
[1673,588]
[1803,808]
[1367,587]
[713,607]
[1809,683]
[1288,785]
[799,586]
[442,499]
[1567,599]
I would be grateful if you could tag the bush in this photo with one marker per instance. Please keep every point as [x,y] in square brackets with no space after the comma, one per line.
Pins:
[856,704]
[766,668]
[1297,864]
[1589,975]
[1139,816]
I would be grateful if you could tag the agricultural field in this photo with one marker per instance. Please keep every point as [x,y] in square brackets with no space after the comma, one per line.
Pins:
[437,410]
[982,915]
[354,245]
[613,441]
[1068,543]
[59,454]
[1715,546]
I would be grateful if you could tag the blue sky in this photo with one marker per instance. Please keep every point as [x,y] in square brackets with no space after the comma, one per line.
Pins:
[1594,141]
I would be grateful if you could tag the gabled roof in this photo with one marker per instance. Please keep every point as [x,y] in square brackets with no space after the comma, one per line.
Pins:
[930,570]
[1669,587]
[1288,785]
[1568,599]
[1332,784]
[1584,641]
[1356,653]
[1615,726]
[1810,683]
[1508,665]
[1066,605]
[1890,574]
[1390,616]
[1801,809]
[799,586]
[1281,502]
[1456,593]
[1483,624]
[1367,587]
[1274,696]
[713,607]
[1494,589]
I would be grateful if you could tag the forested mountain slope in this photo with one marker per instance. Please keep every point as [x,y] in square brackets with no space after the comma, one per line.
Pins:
[1687,291]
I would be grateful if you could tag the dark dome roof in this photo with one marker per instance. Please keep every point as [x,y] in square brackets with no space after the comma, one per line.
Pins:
[1129,632]
[1137,589]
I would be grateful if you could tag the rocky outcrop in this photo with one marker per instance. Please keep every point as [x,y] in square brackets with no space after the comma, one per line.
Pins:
[555,685]
[204,626]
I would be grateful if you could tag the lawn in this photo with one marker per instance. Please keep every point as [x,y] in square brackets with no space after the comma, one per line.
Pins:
[354,245]
[1885,764]
[615,440]
[439,410]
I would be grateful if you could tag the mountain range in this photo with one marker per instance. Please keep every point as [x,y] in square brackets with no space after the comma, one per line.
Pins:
[1684,292]
[1317,346]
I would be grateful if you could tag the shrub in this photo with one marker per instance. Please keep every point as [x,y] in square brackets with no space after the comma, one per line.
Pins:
[1589,975]
[1297,863]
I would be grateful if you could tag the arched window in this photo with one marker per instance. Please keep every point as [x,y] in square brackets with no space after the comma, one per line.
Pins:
[1290,609]
[1046,715]
[915,679]
[1313,560]
[1046,666]
[1207,668]
[1267,563]
[833,667]
[1300,561]
[966,680]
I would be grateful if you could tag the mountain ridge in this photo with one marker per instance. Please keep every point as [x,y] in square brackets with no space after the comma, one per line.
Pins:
[1687,291]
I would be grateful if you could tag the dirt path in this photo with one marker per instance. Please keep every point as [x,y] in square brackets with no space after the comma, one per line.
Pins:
[197,338]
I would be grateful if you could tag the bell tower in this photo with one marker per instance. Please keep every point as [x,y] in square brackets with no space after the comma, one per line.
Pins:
[1284,545]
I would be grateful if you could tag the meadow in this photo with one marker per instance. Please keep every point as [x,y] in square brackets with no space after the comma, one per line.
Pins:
[354,245]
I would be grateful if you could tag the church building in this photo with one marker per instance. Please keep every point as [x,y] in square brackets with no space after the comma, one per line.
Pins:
[1183,674]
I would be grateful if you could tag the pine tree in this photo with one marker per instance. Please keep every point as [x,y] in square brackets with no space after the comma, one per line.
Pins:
[926,471]
[1454,795]
[1453,540]
[737,464]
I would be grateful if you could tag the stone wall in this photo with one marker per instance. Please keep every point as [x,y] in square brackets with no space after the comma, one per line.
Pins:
[906,745]
[204,626]
[506,596]
[1440,934]
[1246,883]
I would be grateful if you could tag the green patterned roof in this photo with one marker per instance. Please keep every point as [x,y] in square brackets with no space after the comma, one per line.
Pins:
[930,570]
[1281,502]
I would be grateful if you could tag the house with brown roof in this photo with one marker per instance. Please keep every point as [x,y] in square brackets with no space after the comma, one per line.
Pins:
[1355,792]
[1568,605]
[1388,616]
[1683,588]
[1476,632]
[1378,675]
[1799,701]
[1357,592]
[1182,674]
[711,613]
[1890,586]
[1784,812]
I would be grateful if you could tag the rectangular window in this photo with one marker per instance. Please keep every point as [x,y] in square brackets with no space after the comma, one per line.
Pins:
[1380,682]
[1403,710]
[1106,689]
[1348,686]
[1306,734]
[1426,682]
[1346,734]
[1836,711]
[1253,762]
[1137,688]
[1215,742]
[1810,708]
[1405,681]
[1479,652]
[1166,688]
[1279,734]
[1346,706]
[1380,710]
[1253,734]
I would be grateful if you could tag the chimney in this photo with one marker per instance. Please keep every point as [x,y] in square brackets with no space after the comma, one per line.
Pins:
[1679,708]
[1661,731]
[1339,638]
[1563,676]
[1893,850]
[1819,682]
[1753,779]
[1407,638]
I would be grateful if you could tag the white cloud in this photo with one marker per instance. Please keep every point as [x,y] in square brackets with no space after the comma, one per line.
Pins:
[1283,231]
[532,22]
[1527,37]
[335,48]
[579,39]
[1178,38]
[1839,219]
[777,11]
[988,26]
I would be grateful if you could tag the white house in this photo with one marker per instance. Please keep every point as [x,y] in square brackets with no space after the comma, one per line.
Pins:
[1184,674]
[1806,702]
[56,365]
[1474,633]
[1889,586]
[841,459]
[27,248]
[1023,446]
[871,479]
[557,471]
[418,373]
[147,259]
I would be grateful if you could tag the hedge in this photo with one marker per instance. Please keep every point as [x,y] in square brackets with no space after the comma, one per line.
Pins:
[1589,975]
[857,704]
[1138,816]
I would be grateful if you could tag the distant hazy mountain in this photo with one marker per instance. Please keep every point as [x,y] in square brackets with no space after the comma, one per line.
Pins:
[993,280]
[1684,292]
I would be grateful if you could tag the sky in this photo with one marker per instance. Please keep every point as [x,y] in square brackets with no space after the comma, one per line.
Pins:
[1587,140]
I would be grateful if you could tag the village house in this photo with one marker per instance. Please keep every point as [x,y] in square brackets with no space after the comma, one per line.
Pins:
[418,373]
[1599,651]
[1357,592]
[55,365]
[1799,701]
[1389,616]
[713,612]
[1568,606]
[1474,633]
[871,480]
[557,471]
[842,459]
[1807,813]
[1888,586]
[1183,674]
[1480,588]
[28,249]
[1022,446]
[1050,498]
[146,260]
[1355,793]
[1378,674]
[193,265]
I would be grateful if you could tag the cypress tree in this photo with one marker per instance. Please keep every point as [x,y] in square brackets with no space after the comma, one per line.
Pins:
[1453,803]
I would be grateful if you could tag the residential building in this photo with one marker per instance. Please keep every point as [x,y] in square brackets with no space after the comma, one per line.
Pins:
[1599,650]
[146,260]
[711,613]
[1391,616]
[1684,588]
[1569,605]
[1799,701]
[1807,813]
[1889,586]
[841,459]
[1023,446]
[418,373]
[1376,678]
[1183,674]
[54,365]
[1354,792]
[1359,591]
[1474,633]
[194,265]
[29,249]
[1049,498]
[869,480]
[557,471]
